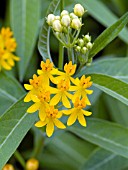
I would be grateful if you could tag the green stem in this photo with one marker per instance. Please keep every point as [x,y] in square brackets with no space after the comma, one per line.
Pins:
[19,157]
[61,49]
[70,54]
[79,69]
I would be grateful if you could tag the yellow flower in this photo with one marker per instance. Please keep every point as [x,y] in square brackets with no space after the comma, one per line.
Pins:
[7,46]
[51,120]
[61,93]
[69,71]
[81,88]
[47,71]
[77,112]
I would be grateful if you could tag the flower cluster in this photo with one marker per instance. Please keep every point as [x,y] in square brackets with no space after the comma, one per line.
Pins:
[67,92]
[7,47]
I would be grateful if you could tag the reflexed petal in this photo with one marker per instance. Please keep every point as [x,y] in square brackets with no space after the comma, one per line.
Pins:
[77,94]
[28,86]
[59,115]
[55,99]
[86,99]
[6,66]
[27,97]
[50,128]
[33,108]
[54,71]
[39,72]
[75,81]
[42,113]
[72,118]
[65,101]
[40,123]
[35,98]
[59,124]
[70,96]
[67,112]
[81,119]
[73,88]
[89,91]
[86,113]
[53,90]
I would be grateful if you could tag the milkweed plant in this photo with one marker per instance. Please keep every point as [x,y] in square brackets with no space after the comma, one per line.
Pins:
[63,89]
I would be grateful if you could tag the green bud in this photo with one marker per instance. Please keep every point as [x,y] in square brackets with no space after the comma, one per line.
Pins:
[84,50]
[73,16]
[79,10]
[64,12]
[89,45]
[78,48]
[89,62]
[50,19]
[76,24]
[57,26]
[65,20]
[57,17]
[87,38]
[81,42]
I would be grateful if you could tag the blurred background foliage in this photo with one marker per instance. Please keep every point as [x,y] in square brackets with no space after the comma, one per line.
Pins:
[66,150]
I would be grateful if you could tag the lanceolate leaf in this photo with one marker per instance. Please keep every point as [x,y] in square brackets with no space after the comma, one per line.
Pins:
[14,124]
[25,15]
[108,35]
[43,44]
[102,159]
[110,136]
[114,87]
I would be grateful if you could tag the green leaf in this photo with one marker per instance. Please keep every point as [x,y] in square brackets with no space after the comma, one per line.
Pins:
[14,124]
[108,35]
[102,159]
[44,44]
[10,91]
[114,87]
[110,136]
[98,10]
[25,15]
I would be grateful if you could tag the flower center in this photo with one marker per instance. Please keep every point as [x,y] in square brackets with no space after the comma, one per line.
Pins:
[51,112]
[63,85]
[47,67]
[69,68]
[36,82]
[79,104]
[85,82]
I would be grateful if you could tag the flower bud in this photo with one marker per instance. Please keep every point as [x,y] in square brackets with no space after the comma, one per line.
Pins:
[32,164]
[65,21]
[73,16]
[79,10]
[64,12]
[84,50]
[78,48]
[57,17]
[87,38]
[76,24]
[8,167]
[89,45]
[57,26]
[81,42]
[50,19]
[89,62]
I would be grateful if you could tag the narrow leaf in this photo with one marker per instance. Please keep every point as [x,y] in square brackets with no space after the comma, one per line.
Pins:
[104,134]
[14,124]
[44,44]
[25,15]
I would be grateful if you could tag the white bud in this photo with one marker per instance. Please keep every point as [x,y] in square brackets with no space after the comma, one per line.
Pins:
[57,17]
[84,50]
[50,19]
[87,38]
[64,12]
[79,10]
[81,42]
[65,21]
[73,16]
[76,24]
[78,48]
[57,26]
[89,45]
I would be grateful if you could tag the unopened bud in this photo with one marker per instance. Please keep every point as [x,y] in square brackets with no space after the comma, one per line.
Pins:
[87,38]
[57,26]
[32,164]
[50,19]
[65,21]
[64,12]
[79,10]
[89,62]
[89,45]
[57,17]
[73,16]
[78,48]
[76,24]
[8,167]
[81,42]
[84,50]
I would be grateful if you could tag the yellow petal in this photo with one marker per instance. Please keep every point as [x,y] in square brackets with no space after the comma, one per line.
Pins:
[55,99]
[75,81]
[35,98]
[86,99]
[40,123]
[33,108]
[59,115]
[27,97]
[50,128]
[42,113]
[72,118]
[59,124]
[89,91]
[39,72]
[70,96]
[73,88]
[28,86]
[81,119]
[65,101]
[53,90]
[86,113]
[6,66]
[67,112]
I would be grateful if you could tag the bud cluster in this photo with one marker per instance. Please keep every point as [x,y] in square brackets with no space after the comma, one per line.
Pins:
[66,20]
